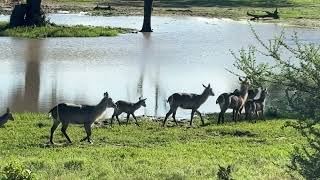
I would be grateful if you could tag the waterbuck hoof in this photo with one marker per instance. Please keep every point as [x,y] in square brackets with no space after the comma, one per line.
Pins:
[83,139]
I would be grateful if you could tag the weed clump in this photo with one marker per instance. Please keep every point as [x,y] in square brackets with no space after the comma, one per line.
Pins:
[16,171]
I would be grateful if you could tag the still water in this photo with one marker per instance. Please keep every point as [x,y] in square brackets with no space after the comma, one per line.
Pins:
[180,55]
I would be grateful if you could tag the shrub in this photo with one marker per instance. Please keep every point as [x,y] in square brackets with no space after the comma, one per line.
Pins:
[296,76]
[15,171]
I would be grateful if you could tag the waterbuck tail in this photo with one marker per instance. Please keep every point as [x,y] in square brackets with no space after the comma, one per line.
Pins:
[170,99]
[220,99]
[50,112]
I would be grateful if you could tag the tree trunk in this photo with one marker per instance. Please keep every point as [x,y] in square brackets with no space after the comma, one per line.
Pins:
[17,15]
[29,14]
[147,16]
[33,15]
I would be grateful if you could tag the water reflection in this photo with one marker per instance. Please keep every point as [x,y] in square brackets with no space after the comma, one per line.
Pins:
[179,56]
[27,99]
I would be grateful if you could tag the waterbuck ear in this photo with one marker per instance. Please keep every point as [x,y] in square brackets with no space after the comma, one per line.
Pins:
[106,94]
[204,86]
[240,79]
[145,99]
[209,85]
[8,110]
[140,98]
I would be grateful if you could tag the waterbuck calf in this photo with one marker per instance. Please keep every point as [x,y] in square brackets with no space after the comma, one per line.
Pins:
[6,117]
[257,105]
[129,108]
[187,101]
[234,101]
[78,114]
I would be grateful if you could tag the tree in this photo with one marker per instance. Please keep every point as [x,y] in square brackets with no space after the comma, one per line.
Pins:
[297,70]
[29,14]
[146,27]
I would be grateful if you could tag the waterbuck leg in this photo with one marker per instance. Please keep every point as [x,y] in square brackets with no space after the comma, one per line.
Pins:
[167,115]
[64,131]
[262,114]
[223,117]
[200,117]
[87,127]
[128,115]
[192,114]
[53,128]
[117,116]
[220,117]
[174,117]
[240,112]
[112,119]
[134,117]
[233,111]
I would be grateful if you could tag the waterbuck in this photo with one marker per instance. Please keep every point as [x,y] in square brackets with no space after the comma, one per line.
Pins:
[257,105]
[129,108]
[78,114]
[252,93]
[6,117]
[234,101]
[187,101]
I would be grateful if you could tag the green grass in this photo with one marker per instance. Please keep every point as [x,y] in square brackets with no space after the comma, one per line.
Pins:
[257,151]
[59,31]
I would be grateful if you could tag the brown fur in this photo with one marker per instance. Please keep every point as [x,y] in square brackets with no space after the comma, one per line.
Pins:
[234,101]
[188,101]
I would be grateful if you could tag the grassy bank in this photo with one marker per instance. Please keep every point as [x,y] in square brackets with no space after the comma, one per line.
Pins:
[292,12]
[59,31]
[257,151]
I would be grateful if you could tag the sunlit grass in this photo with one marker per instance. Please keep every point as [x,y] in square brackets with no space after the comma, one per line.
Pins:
[257,151]
[59,31]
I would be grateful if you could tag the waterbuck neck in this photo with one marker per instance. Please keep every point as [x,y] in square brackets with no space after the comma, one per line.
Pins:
[204,96]
[244,91]
[262,97]
[137,105]
[102,106]
[4,118]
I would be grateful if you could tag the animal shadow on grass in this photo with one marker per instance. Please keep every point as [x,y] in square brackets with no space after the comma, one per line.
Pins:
[238,133]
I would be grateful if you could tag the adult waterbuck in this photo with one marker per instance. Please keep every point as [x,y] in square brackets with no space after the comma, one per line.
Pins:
[129,108]
[257,105]
[252,93]
[234,101]
[78,114]
[6,117]
[188,101]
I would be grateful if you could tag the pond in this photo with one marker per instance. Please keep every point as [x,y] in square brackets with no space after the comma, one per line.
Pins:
[179,56]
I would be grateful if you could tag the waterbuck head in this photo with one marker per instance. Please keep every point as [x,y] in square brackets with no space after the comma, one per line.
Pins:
[264,93]
[142,101]
[108,101]
[208,90]
[9,115]
[245,83]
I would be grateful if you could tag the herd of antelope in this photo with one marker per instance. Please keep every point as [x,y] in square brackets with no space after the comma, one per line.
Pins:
[66,113]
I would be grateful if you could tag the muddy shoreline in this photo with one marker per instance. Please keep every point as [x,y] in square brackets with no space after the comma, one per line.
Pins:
[136,9]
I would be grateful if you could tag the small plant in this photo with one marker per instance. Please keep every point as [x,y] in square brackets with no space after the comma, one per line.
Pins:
[225,173]
[74,164]
[15,171]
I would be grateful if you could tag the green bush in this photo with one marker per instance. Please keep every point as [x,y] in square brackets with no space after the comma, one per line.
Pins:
[15,171]
[295,76]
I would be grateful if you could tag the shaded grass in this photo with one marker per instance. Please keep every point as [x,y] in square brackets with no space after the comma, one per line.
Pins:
[59,31]
[257,151]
